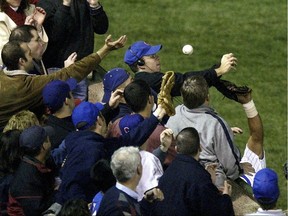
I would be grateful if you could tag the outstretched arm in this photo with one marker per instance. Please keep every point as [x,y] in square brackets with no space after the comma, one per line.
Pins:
[255,140]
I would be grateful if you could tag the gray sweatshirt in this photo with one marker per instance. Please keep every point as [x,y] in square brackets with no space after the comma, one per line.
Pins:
[216,139]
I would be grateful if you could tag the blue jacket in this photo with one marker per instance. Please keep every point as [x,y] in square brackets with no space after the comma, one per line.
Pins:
[84,149]
[188,190]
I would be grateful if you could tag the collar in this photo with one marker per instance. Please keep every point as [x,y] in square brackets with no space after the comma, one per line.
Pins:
[33,161]
[127,190]
[16,72]
[269,212]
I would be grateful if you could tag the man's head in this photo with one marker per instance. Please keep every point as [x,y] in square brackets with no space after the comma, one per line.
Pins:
[126,164]
[194,91]
[265,188]
[29,34]
[86,115]
[35,139]
[57,94]
[102,175]
[16,55]
[141,56]
[188,142]
[138,95]
[116,78]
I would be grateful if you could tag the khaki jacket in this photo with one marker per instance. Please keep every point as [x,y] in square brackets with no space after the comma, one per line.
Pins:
[22,91]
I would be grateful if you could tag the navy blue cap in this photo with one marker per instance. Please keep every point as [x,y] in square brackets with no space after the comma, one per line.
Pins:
[55,93]
[34,137]
[139,49]
[112,79]
[129,122]
[85,114]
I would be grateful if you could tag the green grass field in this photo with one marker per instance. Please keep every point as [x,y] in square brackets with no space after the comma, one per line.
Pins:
[255,31]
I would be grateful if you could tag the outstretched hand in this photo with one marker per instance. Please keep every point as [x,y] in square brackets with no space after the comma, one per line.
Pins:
[119,43]
[247,168]
[228,62]
[115,98]
[154,194]
[71,59]
[166,138]
[37,18]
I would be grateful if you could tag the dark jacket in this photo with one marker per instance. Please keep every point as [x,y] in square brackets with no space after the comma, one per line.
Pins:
[154,80]
[5,182]
[32,189]
[71,29]
[116,203]
[61,126]
[188,190]
[84,149]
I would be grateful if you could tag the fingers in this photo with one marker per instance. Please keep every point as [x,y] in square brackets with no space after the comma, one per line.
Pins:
[236,130]
[73,56]
[40,10]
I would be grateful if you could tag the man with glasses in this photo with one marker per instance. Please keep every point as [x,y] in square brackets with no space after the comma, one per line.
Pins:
[143,60]
[29,34]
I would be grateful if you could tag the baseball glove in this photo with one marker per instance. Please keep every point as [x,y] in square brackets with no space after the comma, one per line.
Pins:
[233,90]
[164,96]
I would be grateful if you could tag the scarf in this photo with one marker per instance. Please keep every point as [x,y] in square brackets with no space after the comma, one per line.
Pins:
[17,16]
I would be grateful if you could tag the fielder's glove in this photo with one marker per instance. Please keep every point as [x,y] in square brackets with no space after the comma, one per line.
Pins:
[164,96]
[233,90]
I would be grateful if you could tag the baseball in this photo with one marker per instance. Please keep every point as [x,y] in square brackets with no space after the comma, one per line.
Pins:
[187,49]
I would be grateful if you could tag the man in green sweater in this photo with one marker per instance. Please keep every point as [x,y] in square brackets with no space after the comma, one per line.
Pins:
[22,91]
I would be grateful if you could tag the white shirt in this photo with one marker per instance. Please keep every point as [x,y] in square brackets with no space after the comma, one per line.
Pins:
[261,212]
[151,172]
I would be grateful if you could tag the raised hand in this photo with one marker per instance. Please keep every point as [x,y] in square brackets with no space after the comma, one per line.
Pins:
[71,59]
[228,62]
[115,98]
[166,138]
[119,43]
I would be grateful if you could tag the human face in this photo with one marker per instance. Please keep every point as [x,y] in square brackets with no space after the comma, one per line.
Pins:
[36,46]
[14,3]
[127,82]
[70,101]
[152,63]
[28,63]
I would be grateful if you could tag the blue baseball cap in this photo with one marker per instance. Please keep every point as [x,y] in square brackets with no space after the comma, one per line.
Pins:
[34,137]
[55,93]
[129,122]
[139,49]
[112,79]
[85,114]
[265,186]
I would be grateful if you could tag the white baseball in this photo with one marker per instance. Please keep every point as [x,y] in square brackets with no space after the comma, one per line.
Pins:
[187,49]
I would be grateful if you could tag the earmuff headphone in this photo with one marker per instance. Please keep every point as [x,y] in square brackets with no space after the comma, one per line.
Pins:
[140,61]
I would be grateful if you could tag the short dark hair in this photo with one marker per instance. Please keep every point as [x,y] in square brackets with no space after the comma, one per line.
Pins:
[194,91]
[263,203]
[10,155]
[102,175]
[188,141]
[11,53]
[22,33]
[137,94]
[134,67]
[75,207]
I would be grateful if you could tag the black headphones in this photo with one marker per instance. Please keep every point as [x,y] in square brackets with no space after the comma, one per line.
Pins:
[140,61]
